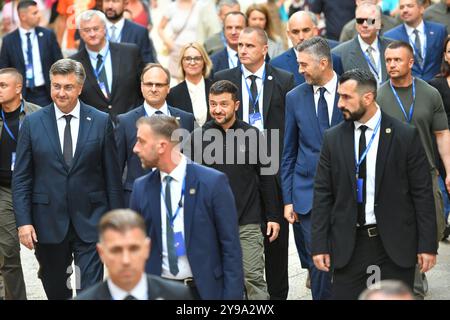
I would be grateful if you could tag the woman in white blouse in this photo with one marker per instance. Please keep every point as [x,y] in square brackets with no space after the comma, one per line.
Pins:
[191,95]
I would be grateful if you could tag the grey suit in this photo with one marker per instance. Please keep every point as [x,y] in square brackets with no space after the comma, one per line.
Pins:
[438,12]
[349,30]
[352,56]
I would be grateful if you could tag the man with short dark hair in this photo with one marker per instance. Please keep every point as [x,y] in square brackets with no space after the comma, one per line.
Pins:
[31,50]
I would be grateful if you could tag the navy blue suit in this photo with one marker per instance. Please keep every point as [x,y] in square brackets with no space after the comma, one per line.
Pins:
[126,139]
[302,144]
[288,62]
[65,204]
[210,227]
[436,34]
[220,61]
[11,55]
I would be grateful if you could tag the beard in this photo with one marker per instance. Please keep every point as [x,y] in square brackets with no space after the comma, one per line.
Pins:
[353,116]
[113,15]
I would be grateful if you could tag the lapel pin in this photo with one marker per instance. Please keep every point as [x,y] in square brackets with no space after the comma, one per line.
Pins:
[431,32]
[40,34]
[88,118]
[178,118]
[269,78]
[192,191]
[388,130]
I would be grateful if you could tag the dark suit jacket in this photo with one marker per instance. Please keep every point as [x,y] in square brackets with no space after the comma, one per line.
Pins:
[436,34]
[220,61]
[11,55]
[126,139]
[158,289]
[302,143]
[210,227]
[404,203]
[179,97]
[48,194]
[125,92]
[352,56]
[288,61]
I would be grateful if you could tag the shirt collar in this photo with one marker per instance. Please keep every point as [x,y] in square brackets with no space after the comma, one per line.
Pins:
[259,73]
[231,52]
[372,122]
[149,110]
[119,25]
[330,86]
[410,30]
[75,112]
[364,45]
[23,32]
[179,172]
[140,291]
[103,51]
[193,87]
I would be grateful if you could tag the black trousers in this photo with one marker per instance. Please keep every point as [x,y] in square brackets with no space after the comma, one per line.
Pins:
[368,264]
[55,265]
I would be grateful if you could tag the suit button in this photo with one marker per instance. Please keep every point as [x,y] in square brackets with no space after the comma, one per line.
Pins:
[110,107]
[375,204]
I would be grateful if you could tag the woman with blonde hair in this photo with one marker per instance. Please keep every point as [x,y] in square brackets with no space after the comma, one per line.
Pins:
[191,95]
[258,16]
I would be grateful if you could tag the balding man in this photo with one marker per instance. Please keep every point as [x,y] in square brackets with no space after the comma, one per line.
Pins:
[13,111]
[302,26]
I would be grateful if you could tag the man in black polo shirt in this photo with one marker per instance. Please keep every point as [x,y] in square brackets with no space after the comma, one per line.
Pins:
[239,150]
[13,110]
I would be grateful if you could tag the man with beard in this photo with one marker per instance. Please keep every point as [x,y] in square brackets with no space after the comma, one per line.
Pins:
[373,212]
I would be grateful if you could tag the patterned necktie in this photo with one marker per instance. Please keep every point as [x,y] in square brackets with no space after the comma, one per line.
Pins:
[67,146]
[418,47]
[370,55]
[30,76]
[171,252]
[102,75]
[362,174]
[322,111]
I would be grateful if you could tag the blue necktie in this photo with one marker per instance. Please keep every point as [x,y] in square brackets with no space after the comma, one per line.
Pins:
[322,111]
[171,253]
[30,60]
[418,45]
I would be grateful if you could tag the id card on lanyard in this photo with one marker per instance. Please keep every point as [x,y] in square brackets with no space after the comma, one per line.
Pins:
[360,181]
[11,135]
[255,117]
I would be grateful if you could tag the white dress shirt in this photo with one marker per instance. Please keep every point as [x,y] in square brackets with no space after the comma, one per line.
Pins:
[119,27]
[74,125]
[245,96]
[140,291]
[371,160]
[198,98]
[178,174]
[376,54]
[106,56]
[38,74]
[232,58]
[422,36]
[330,95]
[149,110]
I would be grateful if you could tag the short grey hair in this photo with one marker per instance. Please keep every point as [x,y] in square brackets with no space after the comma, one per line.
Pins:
[317,47]
[88,15]
[68,66]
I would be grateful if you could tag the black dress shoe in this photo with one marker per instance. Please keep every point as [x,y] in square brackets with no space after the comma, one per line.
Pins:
[446,232]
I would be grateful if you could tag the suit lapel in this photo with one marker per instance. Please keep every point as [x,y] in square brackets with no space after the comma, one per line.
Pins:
[268,90]
[383,45]
[190,197]
[49,123]
[152,200]
[115,62]
[311,111]
[357,55]
[386,133]
[40,40]
[348,146]
[83,132]
[187,98]
[237,80]
[18,48]
[337,114]
[125,33]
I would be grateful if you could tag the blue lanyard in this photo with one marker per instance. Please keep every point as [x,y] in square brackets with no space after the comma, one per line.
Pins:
[371,66]
[6,125]
[250,97]
[363,156]
[101,66]
[180,203]
[411,109]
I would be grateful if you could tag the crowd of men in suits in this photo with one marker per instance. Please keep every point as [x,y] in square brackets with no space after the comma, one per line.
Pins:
[94,132]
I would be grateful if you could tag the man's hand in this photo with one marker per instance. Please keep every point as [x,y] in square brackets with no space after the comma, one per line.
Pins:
[426,261]
[274,229]
[27,236]
[289,213]
[322,262]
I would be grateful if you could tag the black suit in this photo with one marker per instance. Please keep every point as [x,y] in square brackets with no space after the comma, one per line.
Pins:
[126,71]
[179,97]
[276,85]
[403,203]
[158,289]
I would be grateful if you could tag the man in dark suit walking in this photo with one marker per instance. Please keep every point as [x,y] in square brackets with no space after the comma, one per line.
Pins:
[124,248]
[373,213]
[112,69]
[155,82]
[65,178]
[31,50]
[262,92]
[190,213]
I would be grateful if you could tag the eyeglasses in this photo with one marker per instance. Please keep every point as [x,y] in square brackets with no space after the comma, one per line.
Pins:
[197,59]
[157,85]
[370,21]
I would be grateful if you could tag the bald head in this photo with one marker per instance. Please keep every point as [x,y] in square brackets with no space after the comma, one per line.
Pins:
[302,26]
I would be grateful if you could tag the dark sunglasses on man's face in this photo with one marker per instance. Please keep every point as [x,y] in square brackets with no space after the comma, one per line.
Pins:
[370,21]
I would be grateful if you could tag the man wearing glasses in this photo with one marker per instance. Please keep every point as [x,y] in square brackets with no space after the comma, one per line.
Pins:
[155,80]
[112,69]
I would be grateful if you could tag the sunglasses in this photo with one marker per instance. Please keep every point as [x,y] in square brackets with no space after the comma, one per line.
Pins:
[370,21]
